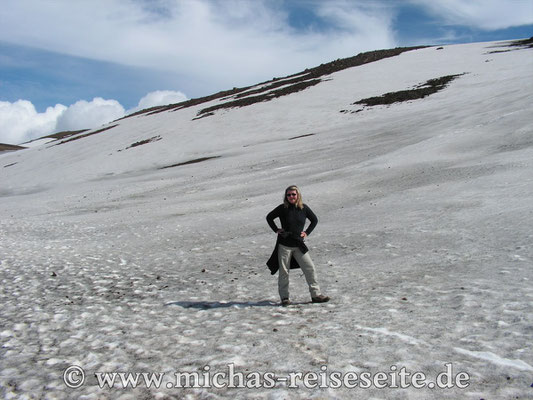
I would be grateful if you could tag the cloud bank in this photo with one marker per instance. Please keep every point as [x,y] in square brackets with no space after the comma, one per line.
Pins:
[20,122]
[482,14]
[225,39]
[228,43]
[84,114]
[159,98]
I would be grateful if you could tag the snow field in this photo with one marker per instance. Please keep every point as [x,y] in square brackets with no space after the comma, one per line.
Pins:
[423,242]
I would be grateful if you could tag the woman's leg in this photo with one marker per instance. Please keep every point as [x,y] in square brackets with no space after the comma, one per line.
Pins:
[284,260]
[308,268]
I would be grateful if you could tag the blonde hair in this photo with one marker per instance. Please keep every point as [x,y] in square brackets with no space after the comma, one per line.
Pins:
[299,202]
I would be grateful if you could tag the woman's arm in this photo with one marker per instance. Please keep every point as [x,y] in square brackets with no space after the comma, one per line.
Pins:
[311,217]
[271,216]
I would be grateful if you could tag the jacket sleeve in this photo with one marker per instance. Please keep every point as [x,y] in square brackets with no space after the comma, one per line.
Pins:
[311,217]
[270,218]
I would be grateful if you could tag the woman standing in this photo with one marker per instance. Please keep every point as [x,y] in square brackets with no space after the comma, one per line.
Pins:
[293,214]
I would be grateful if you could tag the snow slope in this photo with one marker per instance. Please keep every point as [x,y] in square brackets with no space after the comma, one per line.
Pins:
[110,262]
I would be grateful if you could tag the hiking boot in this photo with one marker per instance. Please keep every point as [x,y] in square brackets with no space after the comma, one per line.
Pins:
[285,302]
[320,299]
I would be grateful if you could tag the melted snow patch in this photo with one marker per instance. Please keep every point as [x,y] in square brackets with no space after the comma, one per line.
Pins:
[386,332]
[496,359]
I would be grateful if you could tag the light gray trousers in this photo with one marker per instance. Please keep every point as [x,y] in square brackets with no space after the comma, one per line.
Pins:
[306,264]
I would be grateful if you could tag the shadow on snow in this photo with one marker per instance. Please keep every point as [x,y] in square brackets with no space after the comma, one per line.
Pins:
[206,305]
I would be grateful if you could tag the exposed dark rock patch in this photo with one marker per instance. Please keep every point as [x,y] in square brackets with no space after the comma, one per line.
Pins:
[430,87]
[87,134]
[64,134]
[204,115]
[10,147]
[186,104]
[351,112]
[341,64]
[141,142]
[246,101]
[301,136]
[197,160]
[10,165]
[515,45]
[59,135]
[273,85]
[527,43]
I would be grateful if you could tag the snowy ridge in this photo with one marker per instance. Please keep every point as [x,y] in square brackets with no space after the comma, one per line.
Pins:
[114,263]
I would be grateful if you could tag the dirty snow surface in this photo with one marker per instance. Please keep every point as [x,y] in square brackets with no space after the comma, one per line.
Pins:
[114,264]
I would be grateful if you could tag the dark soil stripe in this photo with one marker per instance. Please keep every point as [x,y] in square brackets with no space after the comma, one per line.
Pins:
[10,147]
[198,160]
[301,136]
[87,134]
[428,88]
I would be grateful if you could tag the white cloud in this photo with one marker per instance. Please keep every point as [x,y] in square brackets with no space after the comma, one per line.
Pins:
[226,43]
[20,122]
[482,14]
[159,98]
[362,26]
[84,114]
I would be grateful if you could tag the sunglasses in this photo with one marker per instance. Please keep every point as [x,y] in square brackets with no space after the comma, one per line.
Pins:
[292,194]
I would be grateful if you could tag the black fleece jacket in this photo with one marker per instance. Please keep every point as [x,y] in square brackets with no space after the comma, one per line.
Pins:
[292,222]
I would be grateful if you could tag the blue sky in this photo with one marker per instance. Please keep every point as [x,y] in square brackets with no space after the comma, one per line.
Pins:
[105,56]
